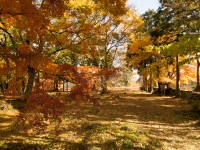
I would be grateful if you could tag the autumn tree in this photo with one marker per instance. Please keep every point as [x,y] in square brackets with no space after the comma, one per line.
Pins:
[97,38]
[144,55]
[32,31]
[160,67]
[187,47]
[169,23]
[114,33]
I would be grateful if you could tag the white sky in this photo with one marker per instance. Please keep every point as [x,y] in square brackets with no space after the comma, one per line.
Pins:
[143,5]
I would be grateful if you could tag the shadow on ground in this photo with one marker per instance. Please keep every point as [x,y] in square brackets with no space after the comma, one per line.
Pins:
[142,107]
[110,126]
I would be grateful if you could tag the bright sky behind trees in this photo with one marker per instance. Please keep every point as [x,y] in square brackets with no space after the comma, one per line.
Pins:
[143,5]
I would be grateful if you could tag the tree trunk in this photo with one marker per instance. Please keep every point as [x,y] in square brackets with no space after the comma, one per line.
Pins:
[198,85]
[55,85]
[31,79]
[63,85]
[177,77]
[104,86]
[67,86]
[151,83]
[145,85]
[125,80]
[159,87]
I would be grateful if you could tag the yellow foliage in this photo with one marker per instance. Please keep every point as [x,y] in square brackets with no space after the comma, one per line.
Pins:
[79,3]
[139,43]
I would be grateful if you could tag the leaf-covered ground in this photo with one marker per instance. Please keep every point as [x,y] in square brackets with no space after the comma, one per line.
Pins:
[126,119]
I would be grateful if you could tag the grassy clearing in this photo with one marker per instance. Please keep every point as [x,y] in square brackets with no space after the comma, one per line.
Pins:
[127,119]
[91,136]
[83,127]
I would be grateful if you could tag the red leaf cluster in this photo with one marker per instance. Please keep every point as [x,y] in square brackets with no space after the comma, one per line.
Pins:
[40,110]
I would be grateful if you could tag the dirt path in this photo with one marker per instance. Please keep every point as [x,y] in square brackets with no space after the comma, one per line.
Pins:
[124,114]
[170,120]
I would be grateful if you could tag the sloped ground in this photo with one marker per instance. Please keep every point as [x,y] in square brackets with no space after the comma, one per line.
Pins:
[127,119]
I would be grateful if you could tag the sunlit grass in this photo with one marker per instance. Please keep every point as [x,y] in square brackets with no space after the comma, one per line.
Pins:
[83,127]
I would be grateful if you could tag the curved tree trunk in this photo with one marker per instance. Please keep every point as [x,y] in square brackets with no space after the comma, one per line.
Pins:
[31,79]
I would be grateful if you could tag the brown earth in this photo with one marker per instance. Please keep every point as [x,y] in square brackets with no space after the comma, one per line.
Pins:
[168,120]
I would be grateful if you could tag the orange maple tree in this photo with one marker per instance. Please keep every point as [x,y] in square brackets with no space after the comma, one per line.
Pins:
[31,32]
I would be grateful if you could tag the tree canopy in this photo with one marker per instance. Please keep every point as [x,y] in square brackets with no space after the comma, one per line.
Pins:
[43,42]
[85,42]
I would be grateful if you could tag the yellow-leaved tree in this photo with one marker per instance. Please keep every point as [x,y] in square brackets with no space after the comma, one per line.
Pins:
[31,31]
